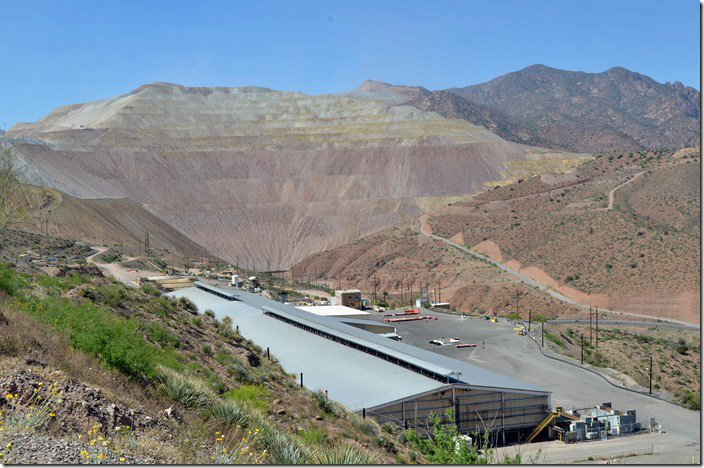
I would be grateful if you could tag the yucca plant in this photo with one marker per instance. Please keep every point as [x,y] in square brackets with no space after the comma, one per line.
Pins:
[282,449]
[226,413]
[190,392]
[345,454]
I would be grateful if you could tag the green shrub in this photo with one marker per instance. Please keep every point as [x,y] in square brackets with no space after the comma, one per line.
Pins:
[554,338]
[443,447]
[91,328]
[682,347]
[162,336]
[315,436]
[692,400]
[189,392]
[210,313]
[255,395]
[10,282]
[345,454]
[150,290]
[112,294]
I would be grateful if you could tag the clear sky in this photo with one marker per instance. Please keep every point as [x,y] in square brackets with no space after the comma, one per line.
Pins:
[63,52]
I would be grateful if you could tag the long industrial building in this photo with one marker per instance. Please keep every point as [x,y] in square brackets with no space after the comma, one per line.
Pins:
[372,374]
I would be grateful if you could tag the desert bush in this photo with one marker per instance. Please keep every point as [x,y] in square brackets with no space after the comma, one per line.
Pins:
[389,428]
[328,406]
[682,347]
[385,442]
[365,426]
[345,454]
[692,400]
[210,313]
[189,392]
[188,305]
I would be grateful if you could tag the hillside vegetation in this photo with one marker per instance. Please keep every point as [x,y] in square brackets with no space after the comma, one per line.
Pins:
[93,371]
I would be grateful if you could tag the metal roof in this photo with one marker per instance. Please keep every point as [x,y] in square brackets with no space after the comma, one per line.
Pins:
[366,369]
[326,365]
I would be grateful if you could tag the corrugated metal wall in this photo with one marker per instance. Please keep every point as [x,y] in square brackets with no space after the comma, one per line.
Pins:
[476,410]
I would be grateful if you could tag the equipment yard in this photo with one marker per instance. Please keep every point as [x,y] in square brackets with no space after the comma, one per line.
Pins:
[501,349]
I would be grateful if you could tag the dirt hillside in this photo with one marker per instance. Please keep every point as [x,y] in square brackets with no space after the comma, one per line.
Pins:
[261,176]
[640,256]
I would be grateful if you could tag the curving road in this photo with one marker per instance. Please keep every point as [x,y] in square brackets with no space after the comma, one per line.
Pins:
[426,230]
[629,323]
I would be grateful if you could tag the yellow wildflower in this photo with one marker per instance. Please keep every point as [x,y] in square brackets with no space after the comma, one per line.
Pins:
[122,459]
[101,456]
[9,396]
[217,433]
[52,414]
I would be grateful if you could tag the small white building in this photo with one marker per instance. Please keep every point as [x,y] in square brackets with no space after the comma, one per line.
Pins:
[349,298]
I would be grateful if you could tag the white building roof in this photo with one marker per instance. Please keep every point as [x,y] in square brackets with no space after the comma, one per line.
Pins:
[333,311]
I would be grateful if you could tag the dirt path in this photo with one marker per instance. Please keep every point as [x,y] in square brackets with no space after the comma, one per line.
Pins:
[613,191]
[425,228]
[545,288]
[117,271]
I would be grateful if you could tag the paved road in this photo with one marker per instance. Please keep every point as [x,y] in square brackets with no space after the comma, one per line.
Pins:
[500,349]
[629,323]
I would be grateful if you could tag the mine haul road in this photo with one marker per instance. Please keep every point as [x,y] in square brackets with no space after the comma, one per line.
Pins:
[426,230]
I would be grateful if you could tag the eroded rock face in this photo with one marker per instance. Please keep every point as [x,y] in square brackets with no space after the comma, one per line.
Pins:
[262,176]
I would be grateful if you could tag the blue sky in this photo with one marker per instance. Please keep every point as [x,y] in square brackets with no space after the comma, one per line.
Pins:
[56,53]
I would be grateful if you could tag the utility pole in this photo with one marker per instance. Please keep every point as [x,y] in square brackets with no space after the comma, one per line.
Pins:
[410,284]
[542,334]
[530,317]
[590,326]
[582,348]
[597,326]
[375,285]
[518,317]
[439,293]
[650,390]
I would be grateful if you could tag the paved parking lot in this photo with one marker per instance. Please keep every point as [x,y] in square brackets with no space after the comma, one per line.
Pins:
[518,356]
